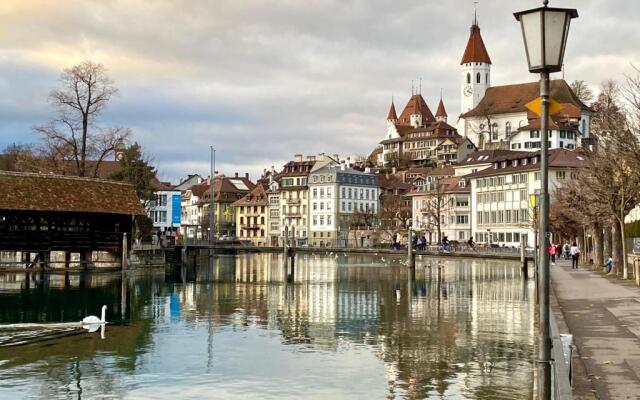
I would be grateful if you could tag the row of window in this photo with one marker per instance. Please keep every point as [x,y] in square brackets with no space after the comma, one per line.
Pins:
[348,207]
[321,193]
[358,194]
[502,180]
[503,217]
[252,220]
[478,76]
[251,233]
[459,219]
[294,182]
[321,206]
[254,209]
[501,196]
[321,178]
[321,219]
[499,237]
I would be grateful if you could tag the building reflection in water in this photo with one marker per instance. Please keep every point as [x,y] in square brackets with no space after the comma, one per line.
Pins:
[460,328]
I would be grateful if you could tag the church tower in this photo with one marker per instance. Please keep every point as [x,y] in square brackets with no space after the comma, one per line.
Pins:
[475,70]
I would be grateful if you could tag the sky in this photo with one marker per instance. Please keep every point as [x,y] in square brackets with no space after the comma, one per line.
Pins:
[262,80]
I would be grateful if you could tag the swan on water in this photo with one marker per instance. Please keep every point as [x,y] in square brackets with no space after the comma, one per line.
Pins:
[92,323]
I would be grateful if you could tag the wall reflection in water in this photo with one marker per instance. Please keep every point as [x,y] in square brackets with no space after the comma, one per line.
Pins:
[339,326]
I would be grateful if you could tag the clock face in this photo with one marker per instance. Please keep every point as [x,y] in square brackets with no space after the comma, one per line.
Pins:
[468,90]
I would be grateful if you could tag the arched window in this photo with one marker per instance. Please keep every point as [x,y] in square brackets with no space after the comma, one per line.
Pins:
[468,78]
[507,128]
[494,135]
[478,77]
[486,78]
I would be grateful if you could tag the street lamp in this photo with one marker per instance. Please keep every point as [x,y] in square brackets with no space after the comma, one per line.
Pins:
[545,33]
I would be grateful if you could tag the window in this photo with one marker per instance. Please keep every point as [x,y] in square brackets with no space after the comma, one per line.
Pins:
[509,237]
[342,207]
[507,128]
[468,78]
[315,220]
[321,206]
[328,219]
[315,206]
[315,192]
[478,77]
[560,175]
[523,194]
[534,134]
[322,220]
[486,78]
[494,134]
[343,193]
[350,193]
[462,202]
[321,193]
[462,219]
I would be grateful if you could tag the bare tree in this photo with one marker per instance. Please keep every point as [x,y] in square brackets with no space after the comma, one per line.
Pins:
[436,206]
[73,135]
[582,90]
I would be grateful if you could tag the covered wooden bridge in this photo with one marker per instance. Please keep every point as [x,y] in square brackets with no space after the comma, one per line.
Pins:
[55,221]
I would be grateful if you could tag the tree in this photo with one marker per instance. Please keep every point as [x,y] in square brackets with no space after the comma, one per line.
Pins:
[14,155]
[582,91]
[137,170]
[73,135]
[436,206]
[394,213]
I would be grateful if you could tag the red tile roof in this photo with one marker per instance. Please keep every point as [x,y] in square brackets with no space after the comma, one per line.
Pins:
[392,112]
[441,112]
[257,197]
[58,193]
[558,158]
[512,98]
[416,105]
[475,50]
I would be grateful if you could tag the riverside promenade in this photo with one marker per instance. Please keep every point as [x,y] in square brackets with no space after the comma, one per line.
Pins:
[603,314]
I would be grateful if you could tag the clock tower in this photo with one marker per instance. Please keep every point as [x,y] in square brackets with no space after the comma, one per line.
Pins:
[475,70]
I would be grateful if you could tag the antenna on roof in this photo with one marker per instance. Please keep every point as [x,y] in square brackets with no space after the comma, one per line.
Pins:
[420,91]
[440,93]
[412,87]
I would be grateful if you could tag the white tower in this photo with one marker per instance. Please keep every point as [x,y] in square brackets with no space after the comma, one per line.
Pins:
[475,70]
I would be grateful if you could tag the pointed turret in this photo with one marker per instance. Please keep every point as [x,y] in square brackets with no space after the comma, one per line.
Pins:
[441,113]
[475,50]
[392,116]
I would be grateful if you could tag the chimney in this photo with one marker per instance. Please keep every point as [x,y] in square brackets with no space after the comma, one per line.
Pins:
[335,157]
[246,175]
[236,174]
[297,157]
[311,158]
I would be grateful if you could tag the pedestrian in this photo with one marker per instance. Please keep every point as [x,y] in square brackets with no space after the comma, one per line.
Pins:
[552,253]
[567,249]
[575,255]
[424,242]
[609,265]
[558,251]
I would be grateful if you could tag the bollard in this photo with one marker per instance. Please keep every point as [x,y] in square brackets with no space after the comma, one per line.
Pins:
[636,270]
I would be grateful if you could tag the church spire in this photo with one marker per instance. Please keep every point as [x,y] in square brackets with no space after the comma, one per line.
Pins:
[475,50]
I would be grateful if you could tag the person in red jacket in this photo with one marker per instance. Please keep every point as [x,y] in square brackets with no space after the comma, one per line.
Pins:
[552,253]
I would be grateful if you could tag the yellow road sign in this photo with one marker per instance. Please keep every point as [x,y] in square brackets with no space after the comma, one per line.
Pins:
[535,106]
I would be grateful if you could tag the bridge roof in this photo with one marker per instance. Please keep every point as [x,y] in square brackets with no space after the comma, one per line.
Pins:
[56,193]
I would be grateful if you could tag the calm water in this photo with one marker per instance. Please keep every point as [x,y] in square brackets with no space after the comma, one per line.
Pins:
[356,327]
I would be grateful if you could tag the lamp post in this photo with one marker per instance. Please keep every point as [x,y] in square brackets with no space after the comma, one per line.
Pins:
[545,33]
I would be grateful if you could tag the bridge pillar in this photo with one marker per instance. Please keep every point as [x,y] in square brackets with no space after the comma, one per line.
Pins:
[411,261]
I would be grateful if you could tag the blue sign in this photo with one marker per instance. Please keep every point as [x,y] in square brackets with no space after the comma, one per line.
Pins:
[176,210]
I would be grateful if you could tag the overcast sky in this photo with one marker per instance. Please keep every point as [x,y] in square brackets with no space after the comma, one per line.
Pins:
[264,79]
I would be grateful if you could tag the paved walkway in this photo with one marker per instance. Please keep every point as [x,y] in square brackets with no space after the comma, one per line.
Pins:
[604,317]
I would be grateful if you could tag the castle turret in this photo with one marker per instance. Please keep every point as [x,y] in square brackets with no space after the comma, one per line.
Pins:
[475,71]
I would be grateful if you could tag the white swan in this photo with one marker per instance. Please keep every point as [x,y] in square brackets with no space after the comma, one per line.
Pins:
[92,323]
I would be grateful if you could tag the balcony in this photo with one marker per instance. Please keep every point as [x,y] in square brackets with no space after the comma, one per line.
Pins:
[293,201]
[294,214]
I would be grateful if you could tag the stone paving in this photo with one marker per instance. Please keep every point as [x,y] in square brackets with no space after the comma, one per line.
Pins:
[603,314]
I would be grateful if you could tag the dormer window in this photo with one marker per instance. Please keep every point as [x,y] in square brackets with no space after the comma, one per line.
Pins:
[524,161]
[462,183]
[534,160]
[504,164]
[495,165]
[515,163]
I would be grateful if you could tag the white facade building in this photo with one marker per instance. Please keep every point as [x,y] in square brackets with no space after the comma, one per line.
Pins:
[166,211]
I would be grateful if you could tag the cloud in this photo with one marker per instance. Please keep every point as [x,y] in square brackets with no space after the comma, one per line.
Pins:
[263,79]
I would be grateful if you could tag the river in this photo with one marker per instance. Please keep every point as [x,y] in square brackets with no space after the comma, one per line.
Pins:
[240,327]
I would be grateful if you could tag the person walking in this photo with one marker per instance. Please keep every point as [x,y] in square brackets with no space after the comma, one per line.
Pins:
[567,249]
[552,253]
[575,255]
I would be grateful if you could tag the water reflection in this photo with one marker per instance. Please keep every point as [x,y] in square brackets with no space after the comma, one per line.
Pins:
[249,327]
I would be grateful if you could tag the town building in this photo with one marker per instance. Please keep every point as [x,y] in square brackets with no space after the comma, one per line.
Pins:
[293,184]
[501,210]
[192,211]
[418,137]
[443,205]
[343,205]
[189,181]
[273,220]
[251,217]
[227,190]
[166,212]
